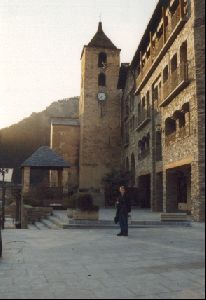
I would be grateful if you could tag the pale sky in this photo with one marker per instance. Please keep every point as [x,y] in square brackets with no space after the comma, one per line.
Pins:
[41,43]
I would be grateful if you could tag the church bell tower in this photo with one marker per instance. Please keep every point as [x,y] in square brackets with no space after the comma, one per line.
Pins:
[100,134]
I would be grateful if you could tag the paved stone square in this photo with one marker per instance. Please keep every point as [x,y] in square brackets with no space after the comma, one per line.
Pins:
[158,263]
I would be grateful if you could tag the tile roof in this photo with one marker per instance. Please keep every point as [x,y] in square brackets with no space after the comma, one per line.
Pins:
[45,157]
[100,40]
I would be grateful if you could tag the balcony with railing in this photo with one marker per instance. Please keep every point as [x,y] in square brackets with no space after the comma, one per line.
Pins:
[158,46]
[143,118]
[175,19]
[177,80]
[126,139]
[145,153]
[161,42]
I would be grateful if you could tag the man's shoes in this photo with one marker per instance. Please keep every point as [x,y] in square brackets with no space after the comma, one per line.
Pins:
[125,234]
[120,234]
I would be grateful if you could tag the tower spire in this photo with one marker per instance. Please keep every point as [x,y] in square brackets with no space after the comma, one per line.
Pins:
[100,27]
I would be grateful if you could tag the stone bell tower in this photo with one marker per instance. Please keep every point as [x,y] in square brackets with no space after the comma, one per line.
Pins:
[100,134]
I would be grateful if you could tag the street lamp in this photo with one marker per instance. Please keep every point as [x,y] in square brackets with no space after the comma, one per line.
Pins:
[3,171]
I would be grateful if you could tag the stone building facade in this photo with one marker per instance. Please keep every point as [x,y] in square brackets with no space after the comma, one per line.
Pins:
[65,136]
[163,107]
[146,117]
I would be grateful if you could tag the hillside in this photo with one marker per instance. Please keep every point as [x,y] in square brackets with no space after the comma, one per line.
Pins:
[19,141]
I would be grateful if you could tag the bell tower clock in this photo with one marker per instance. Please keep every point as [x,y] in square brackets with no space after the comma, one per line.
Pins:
[100,134]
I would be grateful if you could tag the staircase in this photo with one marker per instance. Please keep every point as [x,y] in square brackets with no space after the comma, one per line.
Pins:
[53,222]
[140,218]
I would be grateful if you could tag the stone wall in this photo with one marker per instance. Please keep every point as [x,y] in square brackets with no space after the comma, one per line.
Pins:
[65,141]
[199,42]
[185,146]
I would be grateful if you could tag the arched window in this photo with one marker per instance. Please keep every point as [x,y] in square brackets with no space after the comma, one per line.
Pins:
[102,79]
[139,148]
[102,60]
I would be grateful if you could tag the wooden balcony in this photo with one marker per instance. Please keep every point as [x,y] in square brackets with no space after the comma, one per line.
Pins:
[175,19]
[143,119]
[161,46]
[144,154]
[175,83]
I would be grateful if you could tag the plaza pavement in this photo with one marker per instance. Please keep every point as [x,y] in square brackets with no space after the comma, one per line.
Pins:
[152,263]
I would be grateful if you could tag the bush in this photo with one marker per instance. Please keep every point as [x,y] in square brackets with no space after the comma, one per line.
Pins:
[32,198]
[84,202]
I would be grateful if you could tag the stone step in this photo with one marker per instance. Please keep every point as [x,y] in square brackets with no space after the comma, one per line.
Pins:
[50,224]
[109,224]
[32,227]
[41,226]
[57,221]
[174,217]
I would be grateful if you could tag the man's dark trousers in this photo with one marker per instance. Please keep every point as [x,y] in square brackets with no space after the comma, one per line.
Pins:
[123,221]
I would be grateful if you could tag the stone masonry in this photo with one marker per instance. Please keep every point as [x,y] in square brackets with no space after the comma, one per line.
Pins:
[168,105]
[100,122]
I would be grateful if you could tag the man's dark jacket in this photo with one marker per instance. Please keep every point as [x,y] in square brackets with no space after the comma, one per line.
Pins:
[123,205]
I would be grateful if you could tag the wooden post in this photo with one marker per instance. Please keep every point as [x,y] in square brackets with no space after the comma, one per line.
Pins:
[25,189]
[182,13]
[65,180]
[26,180]
[60,178]
[140,61]
[151,49]
[164,24]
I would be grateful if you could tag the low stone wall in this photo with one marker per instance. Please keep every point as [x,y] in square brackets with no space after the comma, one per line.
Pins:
[35,214]
[10,211]
[85,215]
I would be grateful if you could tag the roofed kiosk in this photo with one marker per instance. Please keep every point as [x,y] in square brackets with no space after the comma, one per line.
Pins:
[47,159]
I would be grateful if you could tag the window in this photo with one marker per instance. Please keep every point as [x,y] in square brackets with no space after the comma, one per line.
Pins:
[102,59]
[102,79]
[155,93]
[182,121]
[148,104]
[174,63]
[165,74]
[170,126]
[143,108]
[183,53]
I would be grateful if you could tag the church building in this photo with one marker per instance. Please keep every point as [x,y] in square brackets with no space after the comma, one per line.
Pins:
[92,142]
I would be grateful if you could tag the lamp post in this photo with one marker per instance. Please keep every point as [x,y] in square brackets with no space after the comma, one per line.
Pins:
[3,171]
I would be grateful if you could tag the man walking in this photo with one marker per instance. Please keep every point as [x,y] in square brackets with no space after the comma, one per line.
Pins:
[123,208]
